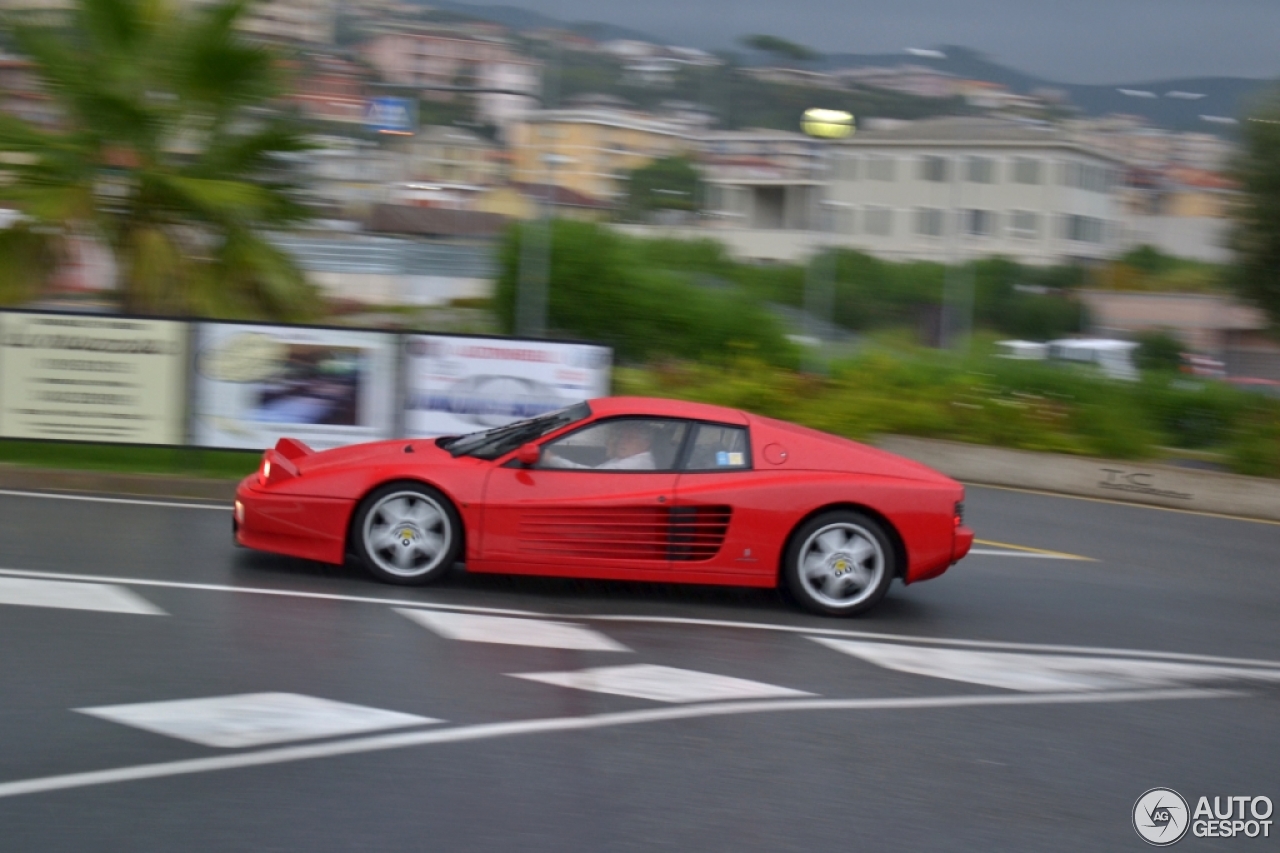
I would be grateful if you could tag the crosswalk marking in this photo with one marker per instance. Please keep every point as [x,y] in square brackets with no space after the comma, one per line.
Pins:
[254,719]
[514,632]
[104,597]
[1034,673]
[661,683]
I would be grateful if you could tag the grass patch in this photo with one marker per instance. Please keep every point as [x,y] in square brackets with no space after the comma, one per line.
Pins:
[189,462]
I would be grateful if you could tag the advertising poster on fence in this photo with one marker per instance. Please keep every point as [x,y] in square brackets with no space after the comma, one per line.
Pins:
[327,387]
[458,384]
[92,378]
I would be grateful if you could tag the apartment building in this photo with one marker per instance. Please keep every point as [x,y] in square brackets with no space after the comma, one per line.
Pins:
[954,188]
[433,61]
[591,151]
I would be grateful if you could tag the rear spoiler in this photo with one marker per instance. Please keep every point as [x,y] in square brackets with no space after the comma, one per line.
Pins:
[292,448]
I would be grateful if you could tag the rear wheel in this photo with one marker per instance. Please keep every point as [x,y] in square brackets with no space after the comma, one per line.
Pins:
[407,533]
[839,563]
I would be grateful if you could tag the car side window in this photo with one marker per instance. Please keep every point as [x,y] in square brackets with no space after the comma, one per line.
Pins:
[717,447]
[618,444]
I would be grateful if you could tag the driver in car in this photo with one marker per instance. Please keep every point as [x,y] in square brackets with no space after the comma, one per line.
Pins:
[629,448]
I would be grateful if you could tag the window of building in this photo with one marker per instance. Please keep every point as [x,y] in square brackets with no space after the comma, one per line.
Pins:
[1024,224]
[982,170]
[929,221]
[847,168]
[880,167]
[878,221]
[1084,229]
[934,168]
[979,223]
[1026,171]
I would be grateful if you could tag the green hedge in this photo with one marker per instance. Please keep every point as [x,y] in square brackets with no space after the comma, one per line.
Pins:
[1025,405]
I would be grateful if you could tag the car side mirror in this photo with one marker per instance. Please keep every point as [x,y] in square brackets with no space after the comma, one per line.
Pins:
[528,455]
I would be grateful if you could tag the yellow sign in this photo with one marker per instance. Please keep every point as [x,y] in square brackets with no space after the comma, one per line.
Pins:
[828,124]
[92,378]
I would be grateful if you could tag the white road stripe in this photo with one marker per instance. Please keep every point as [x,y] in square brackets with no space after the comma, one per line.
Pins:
[254,719]
[487,731]
[542,633]
[659,620]
[1041,672]
[287,593]
[661,683]
[134,501]
[106,598]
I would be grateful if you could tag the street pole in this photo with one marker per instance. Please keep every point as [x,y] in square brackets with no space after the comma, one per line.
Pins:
[534,277]
[819,283]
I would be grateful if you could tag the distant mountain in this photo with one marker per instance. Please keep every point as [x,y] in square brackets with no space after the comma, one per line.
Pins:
[525,19]
[1223,96]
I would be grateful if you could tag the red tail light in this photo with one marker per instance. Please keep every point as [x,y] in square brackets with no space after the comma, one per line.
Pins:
[276,468]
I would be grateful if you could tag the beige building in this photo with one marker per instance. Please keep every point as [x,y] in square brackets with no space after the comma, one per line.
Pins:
[451,155]
[590,151]
[942,190]
[1203,322]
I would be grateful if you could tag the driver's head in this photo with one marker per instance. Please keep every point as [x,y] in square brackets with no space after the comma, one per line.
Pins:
[628,438]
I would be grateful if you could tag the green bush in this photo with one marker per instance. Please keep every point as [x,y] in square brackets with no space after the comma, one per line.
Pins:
[1159,350]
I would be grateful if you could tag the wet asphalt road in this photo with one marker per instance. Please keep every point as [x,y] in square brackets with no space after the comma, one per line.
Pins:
[909,761]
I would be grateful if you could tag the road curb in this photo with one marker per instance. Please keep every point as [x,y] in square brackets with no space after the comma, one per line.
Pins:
[22,478]
[1130,482]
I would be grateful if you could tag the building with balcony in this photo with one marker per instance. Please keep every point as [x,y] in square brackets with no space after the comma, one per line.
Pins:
[590,151]
[956,188]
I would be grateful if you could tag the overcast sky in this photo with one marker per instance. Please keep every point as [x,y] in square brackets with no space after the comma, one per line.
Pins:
[1071,41]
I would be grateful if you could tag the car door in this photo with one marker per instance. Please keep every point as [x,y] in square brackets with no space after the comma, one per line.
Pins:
[581,519]
[723,522]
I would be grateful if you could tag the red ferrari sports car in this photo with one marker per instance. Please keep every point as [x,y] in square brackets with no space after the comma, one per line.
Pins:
[620,488]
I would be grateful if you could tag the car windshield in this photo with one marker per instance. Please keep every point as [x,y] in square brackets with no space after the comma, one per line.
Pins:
[492,443]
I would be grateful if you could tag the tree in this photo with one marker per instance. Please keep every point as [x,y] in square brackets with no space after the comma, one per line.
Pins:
[670,183]
[779,47]
[165,153]
[1257,235]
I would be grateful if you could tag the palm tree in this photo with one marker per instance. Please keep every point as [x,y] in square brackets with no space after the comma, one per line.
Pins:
[166,152]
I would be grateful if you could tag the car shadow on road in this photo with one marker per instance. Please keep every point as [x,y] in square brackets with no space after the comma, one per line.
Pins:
[577,595]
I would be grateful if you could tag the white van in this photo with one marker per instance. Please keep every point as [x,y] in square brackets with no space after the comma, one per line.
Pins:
[1113,357]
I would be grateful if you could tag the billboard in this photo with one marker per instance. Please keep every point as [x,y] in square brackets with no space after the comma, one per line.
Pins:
[459,384]
[391,115]
[92,378]
[256,384]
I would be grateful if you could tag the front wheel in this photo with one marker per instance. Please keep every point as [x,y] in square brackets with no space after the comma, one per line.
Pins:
[839,563]
[407,533]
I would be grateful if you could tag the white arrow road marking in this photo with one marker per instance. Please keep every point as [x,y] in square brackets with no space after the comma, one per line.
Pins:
[513,632]
[486,731]
[1039,673]
[254,719]
[103,597]
[661,683]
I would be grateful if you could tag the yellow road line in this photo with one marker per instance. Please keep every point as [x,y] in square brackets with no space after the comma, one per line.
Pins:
[1048,494]
[1028,549]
